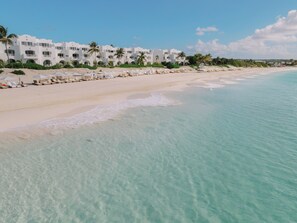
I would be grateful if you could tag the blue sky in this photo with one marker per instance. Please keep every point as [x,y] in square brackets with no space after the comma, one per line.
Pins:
[151,24]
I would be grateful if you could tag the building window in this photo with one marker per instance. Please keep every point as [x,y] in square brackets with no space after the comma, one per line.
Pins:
[72,48]
[44,44]
[27,43]
[29,52]
[60,55]
[46,53]
[75,55]
[59,48]
[10,52]
[84,49]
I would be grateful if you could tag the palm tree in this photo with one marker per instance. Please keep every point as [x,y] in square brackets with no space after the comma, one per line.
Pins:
[6,39]
[199,59]
[141,58]
[94,49]
[182,55]
[207,58]
[119,53]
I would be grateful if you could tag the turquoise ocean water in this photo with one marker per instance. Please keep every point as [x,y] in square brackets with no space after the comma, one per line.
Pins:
[222,155]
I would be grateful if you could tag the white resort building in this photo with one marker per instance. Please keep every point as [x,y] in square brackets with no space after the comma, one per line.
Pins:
[29,49]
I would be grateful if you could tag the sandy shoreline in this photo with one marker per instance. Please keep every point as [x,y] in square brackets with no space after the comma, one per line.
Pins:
[29,106]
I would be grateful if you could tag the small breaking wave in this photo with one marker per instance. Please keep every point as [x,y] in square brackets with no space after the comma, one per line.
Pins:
[106,112]
[213,85]
[228,82]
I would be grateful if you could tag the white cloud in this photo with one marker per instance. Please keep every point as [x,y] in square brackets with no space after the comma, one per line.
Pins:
[278,40]
[202,31]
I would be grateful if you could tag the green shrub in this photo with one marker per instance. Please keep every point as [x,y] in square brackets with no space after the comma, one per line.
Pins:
[157,65]
[17,65]
[2,64]
[57,66]
[1,71]
[67,66]
[133,65]
[34,66]
[171,65]
[86,66]
[130,66]
[18,72]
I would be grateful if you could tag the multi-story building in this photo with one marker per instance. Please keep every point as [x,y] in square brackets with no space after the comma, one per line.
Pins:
[29,49]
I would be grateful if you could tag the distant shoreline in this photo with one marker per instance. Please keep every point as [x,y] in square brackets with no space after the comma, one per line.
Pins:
[32,105]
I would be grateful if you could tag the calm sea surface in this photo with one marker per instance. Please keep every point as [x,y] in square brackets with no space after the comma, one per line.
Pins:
[220,155]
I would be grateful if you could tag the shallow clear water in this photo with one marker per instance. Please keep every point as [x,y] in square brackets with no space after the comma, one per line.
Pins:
[222,155]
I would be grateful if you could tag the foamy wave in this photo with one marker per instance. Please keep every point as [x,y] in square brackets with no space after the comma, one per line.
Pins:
[212,85]
[228,82]
[251,76]
[103,113]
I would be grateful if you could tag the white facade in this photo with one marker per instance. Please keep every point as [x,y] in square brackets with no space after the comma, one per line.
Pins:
[27,48]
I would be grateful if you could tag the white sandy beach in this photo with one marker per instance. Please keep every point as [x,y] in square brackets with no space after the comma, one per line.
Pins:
[31,105]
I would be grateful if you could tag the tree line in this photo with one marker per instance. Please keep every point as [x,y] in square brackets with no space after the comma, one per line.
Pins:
[200,59]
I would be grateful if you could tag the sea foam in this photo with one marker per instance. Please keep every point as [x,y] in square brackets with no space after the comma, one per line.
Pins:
[106,112]
[228,82]
[213,85]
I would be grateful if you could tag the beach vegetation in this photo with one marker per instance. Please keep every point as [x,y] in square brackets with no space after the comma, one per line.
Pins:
[85,66]
[6,39]
[199,59]
[157,65]
[120,53]
[170,65]
[182,56]
[141,58]
[35,66]
[18,72]
[57,66]
[68,65]
[94,49]
[133,65]
[2,64]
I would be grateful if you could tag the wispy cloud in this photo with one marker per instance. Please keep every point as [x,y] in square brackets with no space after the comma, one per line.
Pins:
[201,31]
[278,40]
